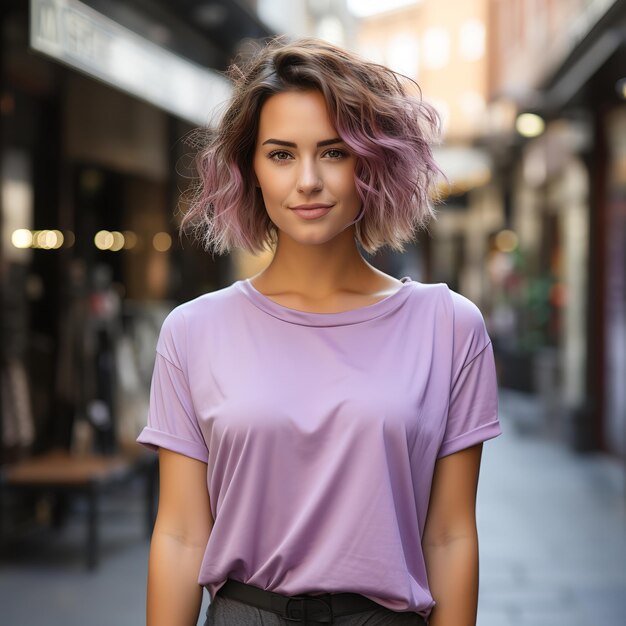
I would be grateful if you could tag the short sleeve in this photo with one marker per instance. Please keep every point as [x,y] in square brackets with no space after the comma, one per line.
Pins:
[171,421]
[473,407]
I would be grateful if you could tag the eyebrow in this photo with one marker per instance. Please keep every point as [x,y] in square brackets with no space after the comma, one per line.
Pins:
[291,144]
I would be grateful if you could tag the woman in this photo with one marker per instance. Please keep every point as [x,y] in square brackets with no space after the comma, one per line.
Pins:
[319,425]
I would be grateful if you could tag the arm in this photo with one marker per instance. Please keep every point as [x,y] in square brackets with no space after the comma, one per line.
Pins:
[450,541]
[181,531]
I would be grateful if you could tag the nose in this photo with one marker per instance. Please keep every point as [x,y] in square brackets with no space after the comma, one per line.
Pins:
[309,179]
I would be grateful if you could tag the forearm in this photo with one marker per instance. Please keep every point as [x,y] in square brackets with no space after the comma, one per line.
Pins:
[453,579]
[174,595]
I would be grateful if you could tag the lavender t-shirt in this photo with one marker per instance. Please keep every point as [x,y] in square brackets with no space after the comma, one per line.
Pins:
[321,430]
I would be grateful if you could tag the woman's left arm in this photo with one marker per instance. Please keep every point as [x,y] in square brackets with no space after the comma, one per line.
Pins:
[450,541]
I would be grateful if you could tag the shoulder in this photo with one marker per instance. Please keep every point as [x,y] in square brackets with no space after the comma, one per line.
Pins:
[190,318]
[208,307]
[468,318]
[433,296]
[470,335]
[455,314]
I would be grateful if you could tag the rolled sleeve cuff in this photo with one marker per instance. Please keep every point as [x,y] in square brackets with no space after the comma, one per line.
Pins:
[155,439]
[477,435]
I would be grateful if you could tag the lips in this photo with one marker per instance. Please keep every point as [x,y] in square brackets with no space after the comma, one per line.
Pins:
[313,205]
[312,211]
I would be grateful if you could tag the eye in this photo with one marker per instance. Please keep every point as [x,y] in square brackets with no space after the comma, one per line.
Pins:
[335,153]
[279,155]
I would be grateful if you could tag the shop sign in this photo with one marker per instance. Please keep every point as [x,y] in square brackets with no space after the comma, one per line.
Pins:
[79,36]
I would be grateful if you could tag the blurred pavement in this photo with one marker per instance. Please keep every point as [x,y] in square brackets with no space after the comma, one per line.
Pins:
[552,528]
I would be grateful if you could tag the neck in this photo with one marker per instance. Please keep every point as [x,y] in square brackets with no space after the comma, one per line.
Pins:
[317,270]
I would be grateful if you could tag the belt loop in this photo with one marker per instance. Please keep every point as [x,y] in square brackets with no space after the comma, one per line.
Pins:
[304,609]
[295,614]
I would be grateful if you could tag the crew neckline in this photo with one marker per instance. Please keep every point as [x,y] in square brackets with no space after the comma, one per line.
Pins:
[311,318]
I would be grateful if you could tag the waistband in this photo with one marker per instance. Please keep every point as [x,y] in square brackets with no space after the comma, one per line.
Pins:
[303,608]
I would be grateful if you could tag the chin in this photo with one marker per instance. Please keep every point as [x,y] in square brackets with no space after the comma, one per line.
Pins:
[308,234]
[312,232]
[310,238]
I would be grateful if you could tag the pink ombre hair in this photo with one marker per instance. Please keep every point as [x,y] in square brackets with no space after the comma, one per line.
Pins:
[386,127]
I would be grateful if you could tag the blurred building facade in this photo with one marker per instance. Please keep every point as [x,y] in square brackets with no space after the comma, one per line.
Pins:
[97,101]
[557,133]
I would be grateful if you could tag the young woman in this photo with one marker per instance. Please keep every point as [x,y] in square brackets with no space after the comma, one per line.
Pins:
[320,424]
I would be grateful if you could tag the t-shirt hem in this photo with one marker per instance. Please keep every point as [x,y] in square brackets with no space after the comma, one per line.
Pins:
[154,439]
[477,435]
[213,583]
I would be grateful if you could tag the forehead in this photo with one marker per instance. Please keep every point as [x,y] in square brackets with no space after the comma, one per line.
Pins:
[295,114]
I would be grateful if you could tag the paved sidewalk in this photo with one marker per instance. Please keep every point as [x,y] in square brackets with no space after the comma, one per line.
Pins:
[552,529]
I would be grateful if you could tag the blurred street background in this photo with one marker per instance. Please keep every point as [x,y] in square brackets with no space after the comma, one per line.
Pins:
[98,104]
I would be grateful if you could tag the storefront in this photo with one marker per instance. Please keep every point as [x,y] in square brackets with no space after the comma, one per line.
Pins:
[94,117]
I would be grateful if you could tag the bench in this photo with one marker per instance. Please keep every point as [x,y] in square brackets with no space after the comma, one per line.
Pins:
[87,476]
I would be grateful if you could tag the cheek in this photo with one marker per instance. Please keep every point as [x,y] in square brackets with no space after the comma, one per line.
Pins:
[344,183]
[275,183]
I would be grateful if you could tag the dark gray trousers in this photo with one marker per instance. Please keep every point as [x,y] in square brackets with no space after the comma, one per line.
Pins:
[228,612]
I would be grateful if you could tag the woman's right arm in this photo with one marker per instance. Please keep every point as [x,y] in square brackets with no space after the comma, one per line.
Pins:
[181,531]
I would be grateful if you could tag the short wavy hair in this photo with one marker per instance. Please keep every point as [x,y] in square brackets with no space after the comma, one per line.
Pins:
[387,128]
